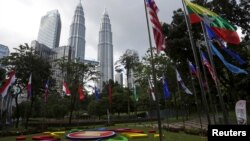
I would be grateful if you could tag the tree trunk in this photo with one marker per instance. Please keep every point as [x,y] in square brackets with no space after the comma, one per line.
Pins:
[17,111]
[28,114]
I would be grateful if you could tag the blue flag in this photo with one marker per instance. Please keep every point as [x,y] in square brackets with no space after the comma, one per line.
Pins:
[229,66]
[165,88]
[213,36]
[97,94]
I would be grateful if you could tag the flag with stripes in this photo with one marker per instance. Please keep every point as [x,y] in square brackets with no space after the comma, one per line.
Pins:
[207,64]
[29,91]
[156,25]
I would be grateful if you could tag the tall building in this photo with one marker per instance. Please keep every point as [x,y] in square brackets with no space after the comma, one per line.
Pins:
[4,51]
[50,29]
[77,34]
[105,50]
[119,78]
[43,51]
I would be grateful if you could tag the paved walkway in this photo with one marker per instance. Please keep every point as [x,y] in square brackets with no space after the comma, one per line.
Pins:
[188,124]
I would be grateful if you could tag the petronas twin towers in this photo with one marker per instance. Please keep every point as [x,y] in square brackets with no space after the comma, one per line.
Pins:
[105,50]
[105,46]
[77,34]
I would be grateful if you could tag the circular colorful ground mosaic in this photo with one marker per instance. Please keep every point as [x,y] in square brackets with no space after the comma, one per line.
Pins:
[82,135]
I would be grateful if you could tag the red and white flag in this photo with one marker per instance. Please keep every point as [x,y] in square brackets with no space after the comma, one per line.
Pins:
[81,93]
[156,25]
[66,89]
[29,91]
[9,81]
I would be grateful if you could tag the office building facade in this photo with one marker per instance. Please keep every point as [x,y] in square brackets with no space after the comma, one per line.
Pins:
[50,29]
[4,51]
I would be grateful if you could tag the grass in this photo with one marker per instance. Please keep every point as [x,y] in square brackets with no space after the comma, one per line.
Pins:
[167,136]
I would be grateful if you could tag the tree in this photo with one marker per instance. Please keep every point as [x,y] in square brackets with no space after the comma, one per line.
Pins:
[25,62]
[77,73]
[129,60]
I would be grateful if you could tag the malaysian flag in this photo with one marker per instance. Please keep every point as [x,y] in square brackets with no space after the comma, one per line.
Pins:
[207,64]
[156,25]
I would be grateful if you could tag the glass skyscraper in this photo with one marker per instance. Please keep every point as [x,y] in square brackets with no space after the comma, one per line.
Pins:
[105,50]
[4,51]
[77,34]
[50,29]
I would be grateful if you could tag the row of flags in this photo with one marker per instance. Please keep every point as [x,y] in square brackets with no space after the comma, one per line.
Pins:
[216,27]
[165,85]
[218,30]
[11,79]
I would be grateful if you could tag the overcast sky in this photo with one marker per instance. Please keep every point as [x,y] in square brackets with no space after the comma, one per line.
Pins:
[20,21]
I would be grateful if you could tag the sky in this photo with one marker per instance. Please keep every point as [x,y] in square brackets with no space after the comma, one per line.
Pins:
[20,21]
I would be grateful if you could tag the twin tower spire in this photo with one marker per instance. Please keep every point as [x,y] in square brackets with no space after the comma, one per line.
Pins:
[105,47]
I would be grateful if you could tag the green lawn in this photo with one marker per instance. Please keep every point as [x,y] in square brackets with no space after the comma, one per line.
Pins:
[167,136]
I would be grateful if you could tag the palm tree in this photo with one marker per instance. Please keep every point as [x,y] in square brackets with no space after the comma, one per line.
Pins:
[128,60]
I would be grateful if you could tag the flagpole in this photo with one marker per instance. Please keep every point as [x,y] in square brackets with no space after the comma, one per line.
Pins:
[196,64]
[196,100]
[208,88]
[154,75]
[222,103]
[179,93]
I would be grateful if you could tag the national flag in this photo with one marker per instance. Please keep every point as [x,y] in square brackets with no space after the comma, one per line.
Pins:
[214,37]
[29,90]
[206,63]
[81,93]
[181,83]
[110,93]
[165,88]
[46,91]
[151,89]
[9,81]
[156,25]
[192,69]
[135,93]
[220,26]
[229,66]
[97,94]
[193,17]
[66,89]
